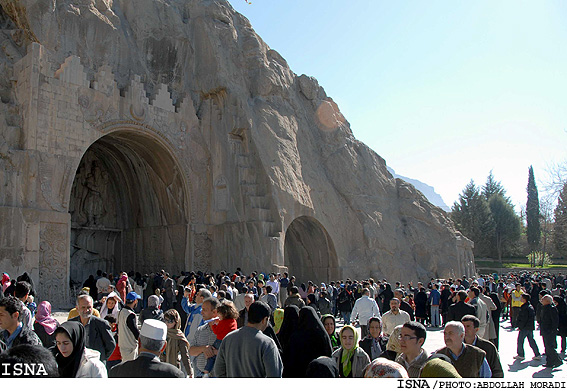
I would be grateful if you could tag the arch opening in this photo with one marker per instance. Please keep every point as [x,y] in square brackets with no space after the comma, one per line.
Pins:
[128,208]
[309,252]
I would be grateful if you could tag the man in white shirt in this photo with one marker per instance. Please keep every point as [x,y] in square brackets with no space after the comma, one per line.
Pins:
[394,317]
[365,308]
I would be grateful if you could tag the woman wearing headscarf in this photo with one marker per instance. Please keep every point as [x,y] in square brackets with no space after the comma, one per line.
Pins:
[562,312]
[110,305]
[386,295]
[289,325]
[278,319]
[350,358]
[312,301]
[330,327]
[73,358]
[5,281]
[303,291]
[393,346]
[45,324]
[177,344]
[122,286]
[308,342]
[385,368]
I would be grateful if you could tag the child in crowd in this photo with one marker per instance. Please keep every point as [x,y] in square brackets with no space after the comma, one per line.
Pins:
[160,297]
[221,326]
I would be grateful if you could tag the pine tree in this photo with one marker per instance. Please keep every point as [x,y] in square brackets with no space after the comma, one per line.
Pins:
[560,226]
[532,213]
[492,187]
[473,218]
[507,224]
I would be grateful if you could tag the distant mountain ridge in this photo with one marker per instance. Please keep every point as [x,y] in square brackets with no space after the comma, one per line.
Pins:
[428,191]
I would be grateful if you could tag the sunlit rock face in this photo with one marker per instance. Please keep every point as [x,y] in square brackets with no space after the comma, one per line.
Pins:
[146,135]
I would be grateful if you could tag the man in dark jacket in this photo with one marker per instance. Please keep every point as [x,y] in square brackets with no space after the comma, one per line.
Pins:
[526,327]
[98,331]
[152,342]
[460,308]
[548,328]
[472,324]
[14,332]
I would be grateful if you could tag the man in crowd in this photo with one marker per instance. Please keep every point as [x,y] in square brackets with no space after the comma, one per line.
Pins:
[413,356]
[243,314]
[526,327]
[548,329]
[365,308]
[481,310]
[194,318]
[13,331]
[102,285]
[404,305]
[22,293]
[203,340]
[97,331]
[152,340]
[394,317]
[460,308]
[247,352]
[516,304]
[128,328]
[471,324]
[435,302]
[468,360]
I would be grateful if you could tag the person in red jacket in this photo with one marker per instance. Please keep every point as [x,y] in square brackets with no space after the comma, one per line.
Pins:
[221,326]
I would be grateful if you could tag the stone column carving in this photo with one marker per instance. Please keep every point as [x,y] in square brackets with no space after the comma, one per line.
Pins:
[53,264]
[203,252]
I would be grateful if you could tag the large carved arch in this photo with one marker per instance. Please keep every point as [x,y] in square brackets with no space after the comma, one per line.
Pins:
[309,252]
[130,205]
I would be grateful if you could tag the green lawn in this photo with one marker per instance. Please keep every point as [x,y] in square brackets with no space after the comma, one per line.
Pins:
[509,265]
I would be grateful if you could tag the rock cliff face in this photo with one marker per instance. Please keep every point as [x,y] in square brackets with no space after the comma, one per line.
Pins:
[244,163]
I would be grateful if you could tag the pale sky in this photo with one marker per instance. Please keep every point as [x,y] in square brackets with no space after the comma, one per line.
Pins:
[445,91]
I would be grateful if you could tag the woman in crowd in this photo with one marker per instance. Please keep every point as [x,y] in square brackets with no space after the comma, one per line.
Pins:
[308,342]
[393,346]
[330,327]
[45,324]
[289,325]
[122,286]
[73,358]
[350,359]
[110,305]
[562,312]
[177,344]
[421,306]
[278,316]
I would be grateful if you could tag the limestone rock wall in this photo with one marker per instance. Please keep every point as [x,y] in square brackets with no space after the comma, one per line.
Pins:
[253,147]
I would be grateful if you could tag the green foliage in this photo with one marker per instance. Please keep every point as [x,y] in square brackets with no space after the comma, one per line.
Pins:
[473,218]
[560,226]
[492,187]
[488,219]
[533,229]
[539,259]
[507,224]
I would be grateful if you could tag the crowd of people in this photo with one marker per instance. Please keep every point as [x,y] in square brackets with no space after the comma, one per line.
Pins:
[267,325]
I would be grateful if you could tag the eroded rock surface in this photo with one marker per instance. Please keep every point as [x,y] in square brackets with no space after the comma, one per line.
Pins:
[152,134]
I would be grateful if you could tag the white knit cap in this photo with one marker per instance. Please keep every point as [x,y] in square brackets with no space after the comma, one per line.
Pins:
[154,329]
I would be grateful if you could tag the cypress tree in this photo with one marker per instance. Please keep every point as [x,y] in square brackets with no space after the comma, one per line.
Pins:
[533,230]
[560,225]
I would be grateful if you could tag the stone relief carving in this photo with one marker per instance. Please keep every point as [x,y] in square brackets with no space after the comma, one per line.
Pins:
[203,252]
[221,194]
[53,263]
[91,202]
[52,174]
